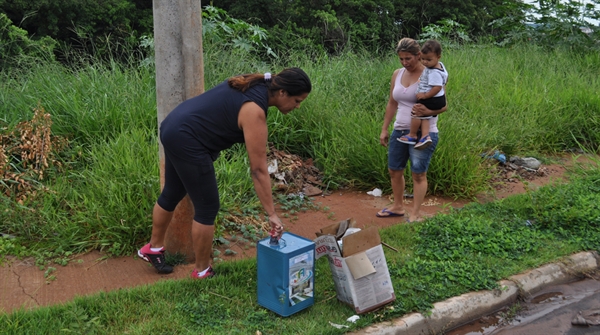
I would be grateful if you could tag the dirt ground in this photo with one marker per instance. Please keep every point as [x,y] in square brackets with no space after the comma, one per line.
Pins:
[23,285]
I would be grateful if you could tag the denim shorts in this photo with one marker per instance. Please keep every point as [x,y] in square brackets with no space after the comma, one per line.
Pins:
[400,153]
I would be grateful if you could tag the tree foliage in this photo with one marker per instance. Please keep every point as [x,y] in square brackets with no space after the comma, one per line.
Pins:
[112,28]
[94,26]
[220,28]
[341,24]
[552,24]
[15,44]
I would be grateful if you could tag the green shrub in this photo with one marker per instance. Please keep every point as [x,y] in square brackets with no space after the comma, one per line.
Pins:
[17,48]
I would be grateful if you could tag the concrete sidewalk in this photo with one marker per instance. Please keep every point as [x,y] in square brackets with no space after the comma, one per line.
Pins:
[459,310]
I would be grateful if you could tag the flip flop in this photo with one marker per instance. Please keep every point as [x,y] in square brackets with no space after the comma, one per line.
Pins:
[407,140]
[387,214]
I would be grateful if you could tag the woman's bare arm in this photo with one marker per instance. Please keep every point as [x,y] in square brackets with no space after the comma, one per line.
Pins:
[390,111]
[252,120]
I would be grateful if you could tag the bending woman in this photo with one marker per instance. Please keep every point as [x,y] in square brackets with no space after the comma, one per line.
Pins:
[194,134]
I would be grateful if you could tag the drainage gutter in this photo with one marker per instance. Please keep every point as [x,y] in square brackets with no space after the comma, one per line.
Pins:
[467,307]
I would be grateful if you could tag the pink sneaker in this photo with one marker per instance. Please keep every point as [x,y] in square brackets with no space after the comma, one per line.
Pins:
[209,273]
[156,258]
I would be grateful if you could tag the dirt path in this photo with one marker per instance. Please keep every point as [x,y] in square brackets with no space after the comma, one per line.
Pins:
[23,285]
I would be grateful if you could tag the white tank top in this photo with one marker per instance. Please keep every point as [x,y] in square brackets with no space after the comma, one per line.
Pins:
[406,97]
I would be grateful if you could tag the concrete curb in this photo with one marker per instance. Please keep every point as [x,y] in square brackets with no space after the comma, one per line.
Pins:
[459,310]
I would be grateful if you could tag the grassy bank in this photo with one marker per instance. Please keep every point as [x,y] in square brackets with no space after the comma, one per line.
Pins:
[100,191]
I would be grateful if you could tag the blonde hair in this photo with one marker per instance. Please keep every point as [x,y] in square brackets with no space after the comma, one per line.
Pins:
[408,45]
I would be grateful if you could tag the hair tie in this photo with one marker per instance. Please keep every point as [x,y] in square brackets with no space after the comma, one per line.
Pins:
[267,76]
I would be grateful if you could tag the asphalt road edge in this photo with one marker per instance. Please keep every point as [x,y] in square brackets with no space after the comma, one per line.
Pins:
[467,307]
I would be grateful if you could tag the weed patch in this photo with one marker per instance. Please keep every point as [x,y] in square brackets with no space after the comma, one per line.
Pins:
[27,152]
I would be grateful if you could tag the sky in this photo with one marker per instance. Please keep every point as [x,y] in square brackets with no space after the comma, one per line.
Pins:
[583,3]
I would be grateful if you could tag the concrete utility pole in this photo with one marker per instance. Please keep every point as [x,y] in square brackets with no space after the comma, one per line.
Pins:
[179,76]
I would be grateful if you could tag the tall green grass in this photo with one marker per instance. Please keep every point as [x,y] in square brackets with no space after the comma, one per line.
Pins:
[523,99]
[516,100]
[91,103]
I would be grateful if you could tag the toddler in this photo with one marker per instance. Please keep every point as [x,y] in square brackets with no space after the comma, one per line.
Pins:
[430,93]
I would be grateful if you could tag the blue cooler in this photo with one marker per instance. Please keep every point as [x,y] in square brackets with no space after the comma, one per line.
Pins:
[286,271]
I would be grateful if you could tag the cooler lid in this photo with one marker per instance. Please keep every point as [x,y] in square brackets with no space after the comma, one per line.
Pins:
[288,243]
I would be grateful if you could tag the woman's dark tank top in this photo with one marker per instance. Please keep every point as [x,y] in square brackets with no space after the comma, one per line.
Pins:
[208,123]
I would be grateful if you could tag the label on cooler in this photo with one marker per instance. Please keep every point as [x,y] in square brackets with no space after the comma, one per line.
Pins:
[301,277]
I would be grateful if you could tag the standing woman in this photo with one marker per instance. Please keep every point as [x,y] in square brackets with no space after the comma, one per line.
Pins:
[194,134]
[402,104]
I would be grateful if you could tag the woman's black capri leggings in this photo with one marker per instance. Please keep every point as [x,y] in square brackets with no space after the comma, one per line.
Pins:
[196,180]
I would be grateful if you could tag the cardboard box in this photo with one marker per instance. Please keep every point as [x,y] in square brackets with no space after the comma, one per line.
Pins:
[360,272]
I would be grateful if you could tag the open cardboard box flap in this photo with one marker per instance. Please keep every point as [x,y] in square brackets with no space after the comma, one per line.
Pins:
[361,241]
[359,265]
[337,229]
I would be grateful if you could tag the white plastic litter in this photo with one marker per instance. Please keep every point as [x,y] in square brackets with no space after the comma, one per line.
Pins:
[376,192]
[338,326]
[350,231]
[272,168]
[526,162]
[353,318]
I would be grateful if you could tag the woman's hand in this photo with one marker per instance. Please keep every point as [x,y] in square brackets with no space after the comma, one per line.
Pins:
[384,137]
[420,110]
[276,225]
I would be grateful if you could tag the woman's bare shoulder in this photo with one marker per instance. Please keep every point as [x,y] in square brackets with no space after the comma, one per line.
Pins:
[395,74]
